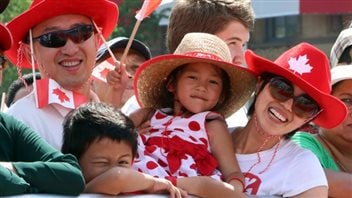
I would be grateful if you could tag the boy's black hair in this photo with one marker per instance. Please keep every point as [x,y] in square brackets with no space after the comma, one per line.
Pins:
[94,121]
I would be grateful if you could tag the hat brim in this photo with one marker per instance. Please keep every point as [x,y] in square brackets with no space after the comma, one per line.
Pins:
[340,73]
[6,38]
[104,14]
[333,110]
[121,43]
[150,82]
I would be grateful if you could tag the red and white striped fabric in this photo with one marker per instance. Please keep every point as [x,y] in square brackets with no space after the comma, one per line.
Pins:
[50,92]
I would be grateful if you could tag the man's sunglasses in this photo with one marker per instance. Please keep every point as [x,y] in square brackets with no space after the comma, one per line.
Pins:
[303,105]
[56,39]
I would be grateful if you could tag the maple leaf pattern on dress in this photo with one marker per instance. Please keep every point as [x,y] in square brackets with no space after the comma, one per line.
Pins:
[61,95]
[300,65]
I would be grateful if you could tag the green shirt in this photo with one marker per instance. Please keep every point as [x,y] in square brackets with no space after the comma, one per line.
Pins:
[308,141]
[40,167]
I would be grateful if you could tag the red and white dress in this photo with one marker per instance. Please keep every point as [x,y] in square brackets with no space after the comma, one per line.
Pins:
[177,146]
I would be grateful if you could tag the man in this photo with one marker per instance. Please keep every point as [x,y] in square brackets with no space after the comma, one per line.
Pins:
[28,164]
[137,54]
[64,38]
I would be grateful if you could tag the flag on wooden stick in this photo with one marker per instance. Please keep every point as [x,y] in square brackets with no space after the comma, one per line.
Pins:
[147,8]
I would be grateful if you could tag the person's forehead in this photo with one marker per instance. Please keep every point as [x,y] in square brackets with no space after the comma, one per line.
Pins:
[132,54]
[61,22]
[234,30]
[343,86]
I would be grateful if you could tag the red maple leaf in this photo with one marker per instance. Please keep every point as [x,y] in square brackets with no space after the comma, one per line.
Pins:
[61,95]
[104,72]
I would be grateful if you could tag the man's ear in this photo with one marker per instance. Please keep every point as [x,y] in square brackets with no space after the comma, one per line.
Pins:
[26,51]
[98,41]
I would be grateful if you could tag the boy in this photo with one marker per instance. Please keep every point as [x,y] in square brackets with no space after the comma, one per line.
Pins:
[105,142]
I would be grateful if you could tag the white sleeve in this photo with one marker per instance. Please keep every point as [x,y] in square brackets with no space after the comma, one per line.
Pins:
[130,106]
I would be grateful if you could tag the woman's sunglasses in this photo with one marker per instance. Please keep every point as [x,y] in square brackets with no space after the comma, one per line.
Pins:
[59,38]
[303,105]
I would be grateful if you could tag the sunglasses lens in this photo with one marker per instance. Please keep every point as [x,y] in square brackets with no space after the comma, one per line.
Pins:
[305,107]
[57,39]
[81,33]
[280,89]
[53,40]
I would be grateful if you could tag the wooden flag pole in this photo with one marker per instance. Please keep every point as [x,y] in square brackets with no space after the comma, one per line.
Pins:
[133,34]
[106,45]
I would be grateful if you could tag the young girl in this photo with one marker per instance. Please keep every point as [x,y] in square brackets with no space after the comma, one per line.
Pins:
[186,96]
[292,91]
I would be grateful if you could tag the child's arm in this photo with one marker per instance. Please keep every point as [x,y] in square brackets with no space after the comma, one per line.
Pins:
[141,116]
[125,180]
[204,186]
[116,85]
[222,149]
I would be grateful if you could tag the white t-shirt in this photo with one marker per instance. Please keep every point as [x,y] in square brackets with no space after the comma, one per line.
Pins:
[293,171]
[47,121]
[237,119]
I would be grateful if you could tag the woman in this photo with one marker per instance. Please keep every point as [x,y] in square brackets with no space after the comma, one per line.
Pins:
[292,91]
[333,147]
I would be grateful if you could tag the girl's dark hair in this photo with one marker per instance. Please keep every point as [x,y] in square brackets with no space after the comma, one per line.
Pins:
[94,121]
[225,94]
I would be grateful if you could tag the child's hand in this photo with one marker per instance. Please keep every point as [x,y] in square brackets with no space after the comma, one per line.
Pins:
[236,179]
[144,128]
[118,77]
[165,185]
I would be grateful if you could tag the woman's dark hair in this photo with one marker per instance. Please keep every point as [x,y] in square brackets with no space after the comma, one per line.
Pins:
[265,79]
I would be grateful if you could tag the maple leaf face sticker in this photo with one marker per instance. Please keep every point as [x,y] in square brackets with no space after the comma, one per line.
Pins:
[61,95]
[300,65]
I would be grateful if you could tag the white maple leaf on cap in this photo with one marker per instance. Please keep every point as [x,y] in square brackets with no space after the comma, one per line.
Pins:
[300,65]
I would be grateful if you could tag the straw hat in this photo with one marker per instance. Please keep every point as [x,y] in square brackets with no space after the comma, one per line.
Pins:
[6,38]
[103,12]
[340,73]
[151,76]
[121,43]
[307,67]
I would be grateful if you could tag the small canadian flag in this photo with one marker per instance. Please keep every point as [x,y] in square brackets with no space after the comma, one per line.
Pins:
[50,92]
[101,71]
